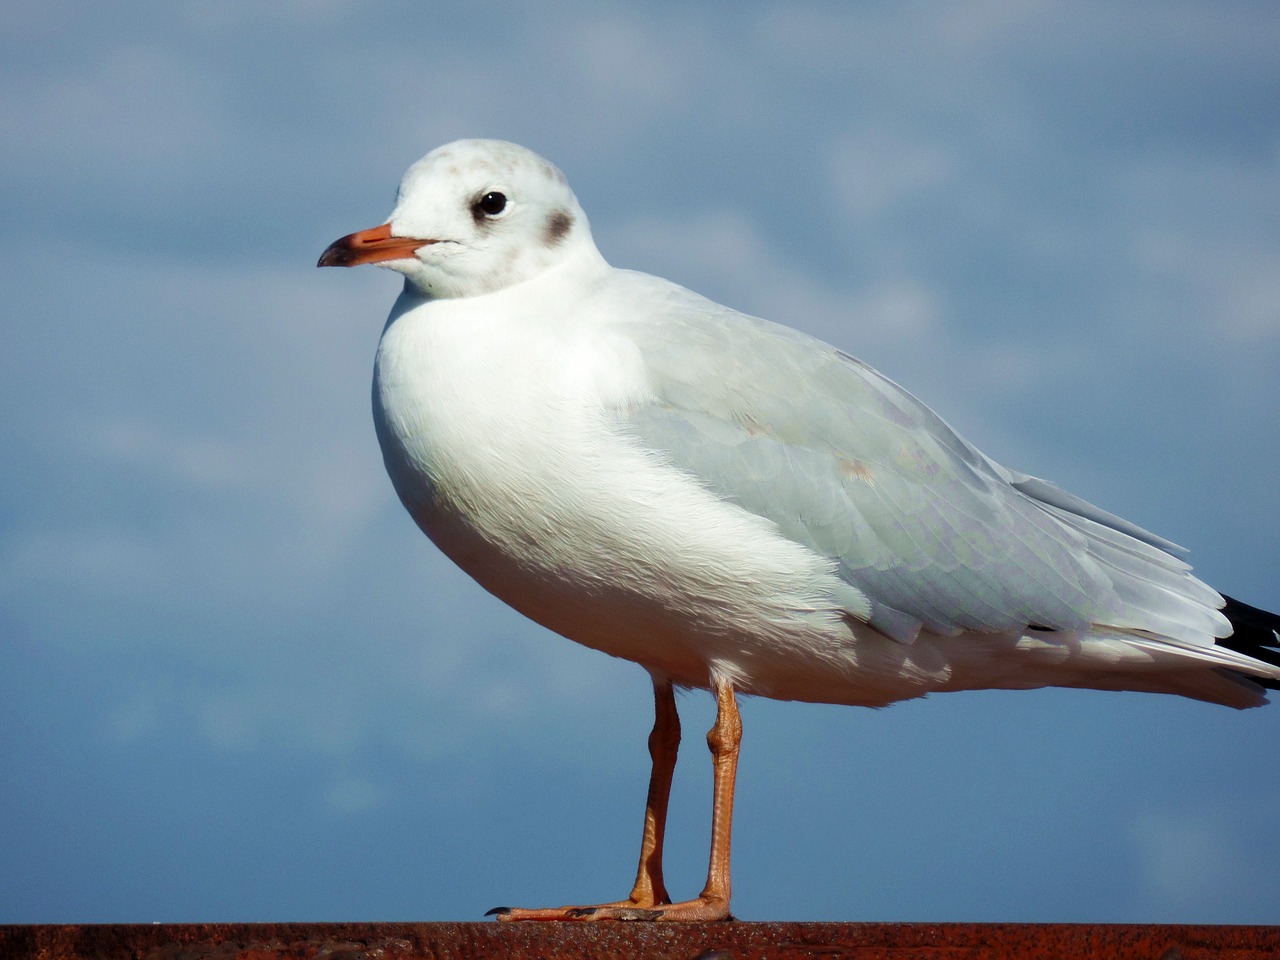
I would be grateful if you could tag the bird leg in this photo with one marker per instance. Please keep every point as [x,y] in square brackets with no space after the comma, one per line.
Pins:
[664,743]
[649,900]
[724,739]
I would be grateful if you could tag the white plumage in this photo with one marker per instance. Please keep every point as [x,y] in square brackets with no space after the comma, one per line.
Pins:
[732,504]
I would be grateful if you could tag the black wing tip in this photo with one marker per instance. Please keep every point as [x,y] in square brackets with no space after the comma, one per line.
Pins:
[1255,633]
[1252,623]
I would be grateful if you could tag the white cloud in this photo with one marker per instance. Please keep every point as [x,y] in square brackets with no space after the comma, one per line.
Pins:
[226,721]
[877,169]
[349,795]
[110,561]
[1224,288]
[629,64]
[136,112]
[200,461]
[1189,858]
[239,15]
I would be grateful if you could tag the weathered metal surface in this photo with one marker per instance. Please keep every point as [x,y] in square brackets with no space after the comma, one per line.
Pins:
[662,941]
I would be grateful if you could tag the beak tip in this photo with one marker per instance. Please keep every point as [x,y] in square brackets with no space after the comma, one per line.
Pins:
[370,246]
[335,255]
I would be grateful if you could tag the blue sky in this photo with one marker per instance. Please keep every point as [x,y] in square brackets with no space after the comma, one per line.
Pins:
[237,684]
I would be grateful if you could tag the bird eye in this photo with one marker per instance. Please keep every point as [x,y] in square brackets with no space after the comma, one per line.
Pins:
[491,204]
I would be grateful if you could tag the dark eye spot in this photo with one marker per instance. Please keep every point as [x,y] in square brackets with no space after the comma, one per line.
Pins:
[490,205]
[556,227]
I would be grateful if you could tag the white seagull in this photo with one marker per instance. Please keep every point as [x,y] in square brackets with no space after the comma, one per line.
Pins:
[732,504]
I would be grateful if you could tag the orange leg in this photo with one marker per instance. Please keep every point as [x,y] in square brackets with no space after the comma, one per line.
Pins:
[664,743]
[649,900]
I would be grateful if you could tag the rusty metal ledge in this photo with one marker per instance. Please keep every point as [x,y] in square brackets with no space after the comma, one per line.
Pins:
[677,941]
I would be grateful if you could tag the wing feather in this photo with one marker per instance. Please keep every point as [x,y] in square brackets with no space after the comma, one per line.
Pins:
[843,460]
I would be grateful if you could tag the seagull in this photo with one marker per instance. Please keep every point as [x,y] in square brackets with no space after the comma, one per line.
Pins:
[734,505]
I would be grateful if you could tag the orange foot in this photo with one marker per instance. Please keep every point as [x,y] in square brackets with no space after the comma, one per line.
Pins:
[703,908]
[648,900]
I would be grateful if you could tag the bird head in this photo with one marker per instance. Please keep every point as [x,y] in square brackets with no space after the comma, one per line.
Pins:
[473,217]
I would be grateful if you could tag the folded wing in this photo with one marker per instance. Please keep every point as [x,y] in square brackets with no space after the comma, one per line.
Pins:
[841,459]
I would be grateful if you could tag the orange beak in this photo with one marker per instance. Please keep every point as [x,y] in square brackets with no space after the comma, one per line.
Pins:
[370,246]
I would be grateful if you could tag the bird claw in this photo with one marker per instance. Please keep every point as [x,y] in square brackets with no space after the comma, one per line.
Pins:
[635,913]
[607,911]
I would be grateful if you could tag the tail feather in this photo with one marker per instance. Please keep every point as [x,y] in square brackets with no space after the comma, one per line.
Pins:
[1256,633]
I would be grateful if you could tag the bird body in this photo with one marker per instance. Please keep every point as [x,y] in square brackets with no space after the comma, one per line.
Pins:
[730,503]
[552,506]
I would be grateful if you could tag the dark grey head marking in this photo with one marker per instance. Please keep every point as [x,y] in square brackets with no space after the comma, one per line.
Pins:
[557,227]
[552,172]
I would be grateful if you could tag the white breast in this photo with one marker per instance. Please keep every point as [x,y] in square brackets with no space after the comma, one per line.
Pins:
[493,414]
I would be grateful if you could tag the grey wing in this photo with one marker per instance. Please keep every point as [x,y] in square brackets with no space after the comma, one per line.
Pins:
[935,534]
